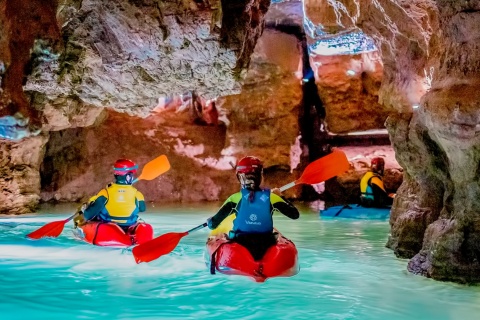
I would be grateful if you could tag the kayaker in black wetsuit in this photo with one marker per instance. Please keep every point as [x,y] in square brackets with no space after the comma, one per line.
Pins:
[254,207]
[373,192]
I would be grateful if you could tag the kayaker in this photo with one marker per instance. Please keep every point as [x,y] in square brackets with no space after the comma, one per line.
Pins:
[254,207]
[373,192]
[118,202]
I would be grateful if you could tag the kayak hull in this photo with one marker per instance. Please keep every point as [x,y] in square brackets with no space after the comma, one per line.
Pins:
[280,260]
[107,234]
[355,211]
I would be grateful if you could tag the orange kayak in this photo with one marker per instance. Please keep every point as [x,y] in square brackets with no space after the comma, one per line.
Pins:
[109,234]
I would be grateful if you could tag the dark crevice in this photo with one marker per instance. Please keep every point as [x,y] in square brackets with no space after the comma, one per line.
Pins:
[312,115]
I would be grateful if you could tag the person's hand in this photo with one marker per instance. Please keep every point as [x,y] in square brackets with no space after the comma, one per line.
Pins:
[79,220]
[209,223]
[276,191]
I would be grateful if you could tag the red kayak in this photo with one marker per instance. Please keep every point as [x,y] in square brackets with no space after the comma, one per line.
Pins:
[111,235]
[280,260]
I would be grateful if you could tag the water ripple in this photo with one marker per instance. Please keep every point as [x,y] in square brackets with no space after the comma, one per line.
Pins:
[345,273]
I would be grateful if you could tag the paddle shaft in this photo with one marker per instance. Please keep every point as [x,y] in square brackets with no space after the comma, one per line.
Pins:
[71,217]
[288,186]
[203,225]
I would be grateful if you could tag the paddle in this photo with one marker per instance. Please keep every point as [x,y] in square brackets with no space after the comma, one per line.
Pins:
[150,171]
[318,171]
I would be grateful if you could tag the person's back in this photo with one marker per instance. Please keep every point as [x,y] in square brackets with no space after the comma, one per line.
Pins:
[253,206]
[119,202]
[372,190]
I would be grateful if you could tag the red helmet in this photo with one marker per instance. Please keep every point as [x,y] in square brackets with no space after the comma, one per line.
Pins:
[249,172]
[124,166]
[249,165]
[378,165]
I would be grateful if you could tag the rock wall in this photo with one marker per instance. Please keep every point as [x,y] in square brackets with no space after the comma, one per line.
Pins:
[348,86]
[262,120]
[62,62]
[430,54]
[19,174]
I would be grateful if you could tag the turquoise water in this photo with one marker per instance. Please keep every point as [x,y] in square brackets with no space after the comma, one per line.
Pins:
[346,273]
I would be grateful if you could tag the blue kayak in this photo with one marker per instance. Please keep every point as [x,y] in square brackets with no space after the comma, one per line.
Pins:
[356,211]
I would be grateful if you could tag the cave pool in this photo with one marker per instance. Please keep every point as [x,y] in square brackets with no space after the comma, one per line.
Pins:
[346,273]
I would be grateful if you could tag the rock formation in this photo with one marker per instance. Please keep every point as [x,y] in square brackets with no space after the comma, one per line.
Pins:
[430,54]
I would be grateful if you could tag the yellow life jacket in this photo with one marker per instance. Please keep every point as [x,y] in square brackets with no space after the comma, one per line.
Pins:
[368,179]
[121,204]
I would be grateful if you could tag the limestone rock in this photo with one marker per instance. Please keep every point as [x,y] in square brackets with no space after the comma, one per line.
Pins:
[19,174]
[349,86]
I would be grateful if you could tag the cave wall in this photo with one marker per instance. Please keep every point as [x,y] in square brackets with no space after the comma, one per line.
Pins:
[80,56]
[116,56]
[20,174]
[261,120]
[430,53]
[62,62]
[349,86]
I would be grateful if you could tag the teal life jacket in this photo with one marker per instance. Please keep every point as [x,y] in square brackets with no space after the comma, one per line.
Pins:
[253,216]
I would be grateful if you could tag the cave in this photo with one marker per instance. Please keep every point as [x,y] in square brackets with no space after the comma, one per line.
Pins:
[91,81]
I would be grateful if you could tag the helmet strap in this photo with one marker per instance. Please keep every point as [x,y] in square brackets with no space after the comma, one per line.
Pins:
[129,178]
[126,179]
[245,182]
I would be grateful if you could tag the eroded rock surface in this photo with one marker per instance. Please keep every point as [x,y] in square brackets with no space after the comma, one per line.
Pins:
[430,54]
[19,174]
[349,87]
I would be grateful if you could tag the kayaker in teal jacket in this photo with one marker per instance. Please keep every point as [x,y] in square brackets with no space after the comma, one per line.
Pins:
[254,207]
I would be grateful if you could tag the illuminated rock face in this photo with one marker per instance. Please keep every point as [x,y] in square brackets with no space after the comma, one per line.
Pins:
[71,55]
[349,86]
[262,120]
[62,62]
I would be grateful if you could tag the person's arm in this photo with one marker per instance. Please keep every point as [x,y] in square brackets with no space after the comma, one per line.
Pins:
[96,204]
[284,206]
[380,196]
[142,207]
[225,210]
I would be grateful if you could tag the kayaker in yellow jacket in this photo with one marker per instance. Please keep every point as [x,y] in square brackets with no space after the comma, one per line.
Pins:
[118,202]
[253,206]
[373,192]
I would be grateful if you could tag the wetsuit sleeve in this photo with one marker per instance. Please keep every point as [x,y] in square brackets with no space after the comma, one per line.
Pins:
[97,203]
[380,196]
[376,181]
[284,206]
[225,210]
[140,202]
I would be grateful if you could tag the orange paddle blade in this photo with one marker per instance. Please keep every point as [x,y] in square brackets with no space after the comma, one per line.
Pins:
[325,168]
[52,229]
[155,168]
[157,247]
